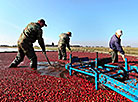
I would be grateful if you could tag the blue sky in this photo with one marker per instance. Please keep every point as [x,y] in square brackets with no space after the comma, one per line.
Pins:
[92,22]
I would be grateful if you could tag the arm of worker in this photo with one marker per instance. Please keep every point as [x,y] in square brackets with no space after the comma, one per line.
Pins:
[68,46]
[42,45]
[41,42]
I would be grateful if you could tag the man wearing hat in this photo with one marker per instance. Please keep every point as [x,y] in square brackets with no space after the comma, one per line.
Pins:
[30,34]
[115,46]
[62,43]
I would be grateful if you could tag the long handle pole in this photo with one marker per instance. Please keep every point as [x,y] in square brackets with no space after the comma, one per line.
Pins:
[47,59]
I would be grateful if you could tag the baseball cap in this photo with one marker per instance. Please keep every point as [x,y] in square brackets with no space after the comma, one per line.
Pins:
[119,32]
[69,33]
[42,20]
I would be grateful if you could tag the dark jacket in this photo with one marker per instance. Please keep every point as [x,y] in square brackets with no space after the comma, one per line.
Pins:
[64,41]
[115,44]
[32,33]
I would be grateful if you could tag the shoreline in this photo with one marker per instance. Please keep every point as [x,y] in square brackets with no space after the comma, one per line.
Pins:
[129,51]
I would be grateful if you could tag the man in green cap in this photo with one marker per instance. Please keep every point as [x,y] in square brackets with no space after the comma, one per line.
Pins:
[62,43]
[30,34]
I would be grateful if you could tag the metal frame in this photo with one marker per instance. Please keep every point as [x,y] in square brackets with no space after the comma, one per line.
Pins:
[127,88]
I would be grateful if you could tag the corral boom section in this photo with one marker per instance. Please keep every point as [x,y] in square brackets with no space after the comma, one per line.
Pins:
[115,77]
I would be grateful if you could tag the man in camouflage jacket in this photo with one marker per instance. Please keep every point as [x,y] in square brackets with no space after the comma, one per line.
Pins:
[62,43]
[25,42]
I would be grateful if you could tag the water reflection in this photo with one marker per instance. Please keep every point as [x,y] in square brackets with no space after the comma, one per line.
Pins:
[6,49]
[55,70]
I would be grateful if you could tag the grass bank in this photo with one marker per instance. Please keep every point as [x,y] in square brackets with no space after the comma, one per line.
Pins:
[128,50]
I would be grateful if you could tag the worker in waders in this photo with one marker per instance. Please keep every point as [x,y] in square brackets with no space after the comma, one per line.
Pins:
[62,44]
[115,46]
[30,34]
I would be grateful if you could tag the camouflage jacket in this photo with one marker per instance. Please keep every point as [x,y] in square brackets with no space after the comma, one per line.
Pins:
[32,33]
[64,40]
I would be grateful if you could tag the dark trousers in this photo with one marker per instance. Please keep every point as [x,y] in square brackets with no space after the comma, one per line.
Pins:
[62,52]
[28,50]
[114,55]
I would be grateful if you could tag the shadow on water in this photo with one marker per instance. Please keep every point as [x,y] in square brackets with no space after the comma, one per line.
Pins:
[57,69]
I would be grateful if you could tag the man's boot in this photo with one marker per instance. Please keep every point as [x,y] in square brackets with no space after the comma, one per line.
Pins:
[33,63]
[16,61]
[59,57]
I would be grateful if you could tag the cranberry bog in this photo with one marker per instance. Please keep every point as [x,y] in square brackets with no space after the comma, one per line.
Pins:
[53,83]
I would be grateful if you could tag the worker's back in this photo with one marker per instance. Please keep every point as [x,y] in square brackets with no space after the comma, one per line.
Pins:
[30,33]
[64,39]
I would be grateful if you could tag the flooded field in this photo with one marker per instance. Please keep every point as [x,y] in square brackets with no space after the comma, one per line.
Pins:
[5,49]
[57,69]
[50,83]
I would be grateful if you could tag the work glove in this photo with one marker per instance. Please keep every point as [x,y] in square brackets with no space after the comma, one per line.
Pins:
[123,56]
[110,50]
[44,52]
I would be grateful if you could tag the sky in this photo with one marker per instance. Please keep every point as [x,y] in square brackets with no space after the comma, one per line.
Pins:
[92,22]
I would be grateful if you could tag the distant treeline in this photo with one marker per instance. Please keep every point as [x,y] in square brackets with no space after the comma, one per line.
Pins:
[8,45]
[48,45]
[52,45]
